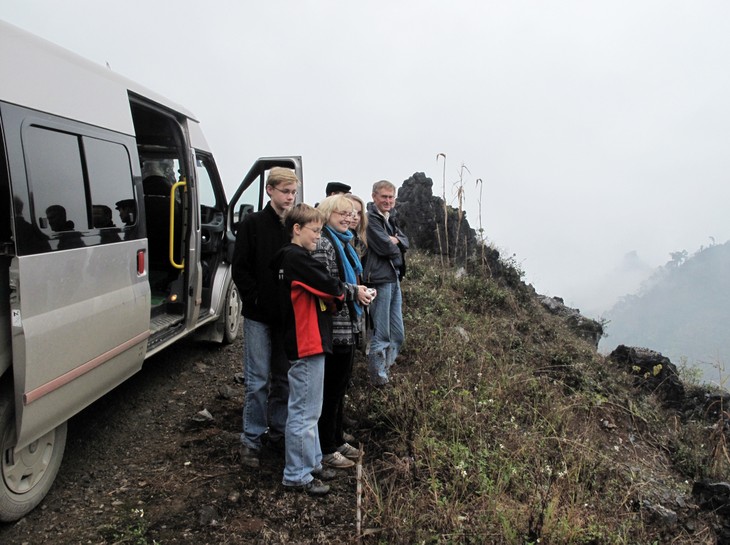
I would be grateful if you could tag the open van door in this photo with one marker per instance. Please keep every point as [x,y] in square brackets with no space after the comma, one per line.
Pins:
[251,195]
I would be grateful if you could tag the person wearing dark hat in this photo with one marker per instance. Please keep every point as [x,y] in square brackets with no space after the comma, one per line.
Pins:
[126,209]
[336,188]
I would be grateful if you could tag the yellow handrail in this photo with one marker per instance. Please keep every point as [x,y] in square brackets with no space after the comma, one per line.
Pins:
[184,184]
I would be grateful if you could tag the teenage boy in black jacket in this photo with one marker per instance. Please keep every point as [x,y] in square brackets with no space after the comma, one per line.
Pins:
[260,236]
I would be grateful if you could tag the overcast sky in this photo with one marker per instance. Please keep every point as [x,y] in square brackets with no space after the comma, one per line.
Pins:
[597,128]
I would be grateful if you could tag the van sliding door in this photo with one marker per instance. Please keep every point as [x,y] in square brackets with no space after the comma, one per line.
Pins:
[79,297]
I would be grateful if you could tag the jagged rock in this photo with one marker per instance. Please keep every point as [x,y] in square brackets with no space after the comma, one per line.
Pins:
[421,216]
[585,328]
[203,416]
[666,516]
[226,392]
[713,497]
[652,371]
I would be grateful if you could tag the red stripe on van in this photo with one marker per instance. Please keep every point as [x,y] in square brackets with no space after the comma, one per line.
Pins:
[56,383]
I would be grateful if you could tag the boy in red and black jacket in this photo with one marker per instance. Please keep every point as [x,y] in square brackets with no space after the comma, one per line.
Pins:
[307,296]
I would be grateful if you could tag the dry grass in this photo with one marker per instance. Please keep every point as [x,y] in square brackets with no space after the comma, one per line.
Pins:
[503,427]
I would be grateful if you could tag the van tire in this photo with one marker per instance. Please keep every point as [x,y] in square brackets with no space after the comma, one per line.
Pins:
[26,477]
[232,314]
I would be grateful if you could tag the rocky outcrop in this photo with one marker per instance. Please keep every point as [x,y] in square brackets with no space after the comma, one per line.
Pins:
[585,328]
[715,498]
[652,372]
[421,216]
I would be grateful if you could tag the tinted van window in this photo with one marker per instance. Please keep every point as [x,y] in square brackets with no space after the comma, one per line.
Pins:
[82,187]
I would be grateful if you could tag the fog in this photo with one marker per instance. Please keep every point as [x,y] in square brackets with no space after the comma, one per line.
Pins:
[599,130]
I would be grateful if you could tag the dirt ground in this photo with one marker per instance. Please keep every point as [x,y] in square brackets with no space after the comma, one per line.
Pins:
[142,466]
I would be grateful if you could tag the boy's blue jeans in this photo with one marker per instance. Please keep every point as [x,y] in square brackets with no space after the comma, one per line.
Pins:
[303,452]
[265,368]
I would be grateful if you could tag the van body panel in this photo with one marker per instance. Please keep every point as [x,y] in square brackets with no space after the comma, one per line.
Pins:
[197,138]
[81,90]
[92,301]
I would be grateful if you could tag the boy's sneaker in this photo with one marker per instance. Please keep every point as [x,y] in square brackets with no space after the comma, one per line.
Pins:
[336,461]
[324,474]
[315,487]
[249,456]
[348,451]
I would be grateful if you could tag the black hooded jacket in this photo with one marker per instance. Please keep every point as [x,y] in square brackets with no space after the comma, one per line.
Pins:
[260,236]
[308,296]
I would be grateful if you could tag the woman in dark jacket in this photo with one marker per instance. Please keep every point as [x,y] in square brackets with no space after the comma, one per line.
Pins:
[336,252]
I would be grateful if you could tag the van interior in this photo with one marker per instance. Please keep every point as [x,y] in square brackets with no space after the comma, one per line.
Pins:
[161,154]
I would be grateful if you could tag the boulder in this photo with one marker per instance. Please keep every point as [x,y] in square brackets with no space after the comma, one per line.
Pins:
[421,216]
[652,371]
[585,328]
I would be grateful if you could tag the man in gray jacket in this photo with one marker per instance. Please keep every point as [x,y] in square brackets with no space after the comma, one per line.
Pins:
[384,267]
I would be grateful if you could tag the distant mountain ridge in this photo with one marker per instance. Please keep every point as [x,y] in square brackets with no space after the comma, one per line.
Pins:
[683,312]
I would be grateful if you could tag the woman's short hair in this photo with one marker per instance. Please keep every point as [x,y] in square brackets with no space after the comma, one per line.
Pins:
[335,203]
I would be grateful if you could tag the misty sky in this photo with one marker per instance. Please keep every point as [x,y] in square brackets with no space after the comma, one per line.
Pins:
[597,128]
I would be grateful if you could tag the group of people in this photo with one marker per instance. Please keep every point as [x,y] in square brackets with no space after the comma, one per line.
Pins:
[309,277]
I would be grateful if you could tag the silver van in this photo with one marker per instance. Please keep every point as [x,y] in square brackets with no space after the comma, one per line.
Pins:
[115,241]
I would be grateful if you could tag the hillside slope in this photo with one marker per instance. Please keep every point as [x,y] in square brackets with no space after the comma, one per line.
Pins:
[503,426]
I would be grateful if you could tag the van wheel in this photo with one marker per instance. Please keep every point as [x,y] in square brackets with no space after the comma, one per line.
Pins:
[232,318]
[27,474]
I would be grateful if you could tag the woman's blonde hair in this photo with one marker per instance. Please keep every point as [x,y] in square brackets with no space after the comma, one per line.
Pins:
[363,225]
[335,203]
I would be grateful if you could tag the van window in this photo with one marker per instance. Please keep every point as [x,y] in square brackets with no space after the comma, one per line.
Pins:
[56,179]
[110,182]
[205,184]
[82,187]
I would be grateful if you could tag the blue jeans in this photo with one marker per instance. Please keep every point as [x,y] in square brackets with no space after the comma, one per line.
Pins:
[265,368]
[303,453]
[386,312]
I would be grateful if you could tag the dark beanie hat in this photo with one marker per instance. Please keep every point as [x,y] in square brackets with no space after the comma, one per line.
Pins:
[337,187]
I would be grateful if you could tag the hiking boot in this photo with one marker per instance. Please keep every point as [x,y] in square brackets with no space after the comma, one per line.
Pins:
[249,456]
[315,487]
[336,461]
[348,451]
[276,446]
[324,474]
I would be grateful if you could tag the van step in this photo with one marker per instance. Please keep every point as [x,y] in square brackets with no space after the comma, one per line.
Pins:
[164,321]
